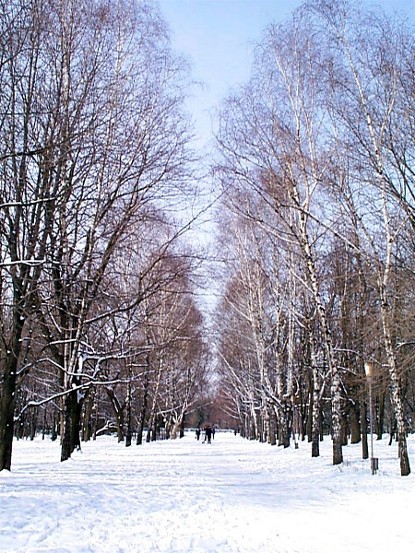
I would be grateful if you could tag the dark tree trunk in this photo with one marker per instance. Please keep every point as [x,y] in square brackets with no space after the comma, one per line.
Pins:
[148,435]
[87,418]
[129,432]
[315,436]
[403,455]
[72,428]
[44,423]
[363,424]
[344,431]
[140,430]
[55,427]
[168,428]
[380,420]
[181,435]
[142,421]
[316,419]
[309,427]
[7,407]
[119,421]
[272,428]
[252,429]
[154,431]
[284,426]
[303,409]
[392,430]
[33,424]
[9,389]
[355,430]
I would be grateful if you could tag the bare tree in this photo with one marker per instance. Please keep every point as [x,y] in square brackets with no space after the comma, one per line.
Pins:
[24,199]
[272,140]
[313,149]
[366,83]
[94,132]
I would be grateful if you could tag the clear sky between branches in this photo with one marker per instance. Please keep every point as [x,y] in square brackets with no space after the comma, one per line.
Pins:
[217,37]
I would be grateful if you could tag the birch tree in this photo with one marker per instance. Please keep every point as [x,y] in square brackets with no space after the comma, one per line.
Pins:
[272,139]
[366,86]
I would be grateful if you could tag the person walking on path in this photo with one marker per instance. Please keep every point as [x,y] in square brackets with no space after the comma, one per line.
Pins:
[208,434]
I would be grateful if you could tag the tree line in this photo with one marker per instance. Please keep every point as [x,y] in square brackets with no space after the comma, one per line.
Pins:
[98,318]
[316,171]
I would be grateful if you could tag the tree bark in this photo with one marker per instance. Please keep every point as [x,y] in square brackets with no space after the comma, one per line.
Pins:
[7,404]
[9,389]
[72,425]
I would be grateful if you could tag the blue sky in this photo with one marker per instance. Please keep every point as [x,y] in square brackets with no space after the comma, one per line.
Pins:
[217,37]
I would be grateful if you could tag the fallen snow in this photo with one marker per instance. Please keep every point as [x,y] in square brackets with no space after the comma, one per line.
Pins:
[186,496]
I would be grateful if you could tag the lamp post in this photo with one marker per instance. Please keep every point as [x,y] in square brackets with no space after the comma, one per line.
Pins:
[374,462]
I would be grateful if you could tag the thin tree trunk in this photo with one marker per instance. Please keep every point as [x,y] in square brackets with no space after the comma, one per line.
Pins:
[355,430]
[316,419]
[128,434]
[272,429]
[396,393]
[87,418]
[363,425]
[335,384]
[143,414]
[381,414]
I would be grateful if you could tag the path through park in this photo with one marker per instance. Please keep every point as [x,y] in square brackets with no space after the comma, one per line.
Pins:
[186,496]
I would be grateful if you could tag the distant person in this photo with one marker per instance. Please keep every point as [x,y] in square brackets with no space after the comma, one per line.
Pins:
[197,434]
[208,434]
[213,433]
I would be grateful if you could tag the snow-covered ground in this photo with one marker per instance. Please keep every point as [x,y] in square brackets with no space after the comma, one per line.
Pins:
[186,496]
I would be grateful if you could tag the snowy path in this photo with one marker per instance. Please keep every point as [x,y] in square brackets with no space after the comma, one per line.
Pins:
[185,496]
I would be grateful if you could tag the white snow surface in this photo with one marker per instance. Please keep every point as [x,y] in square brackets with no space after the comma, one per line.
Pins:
[178,496]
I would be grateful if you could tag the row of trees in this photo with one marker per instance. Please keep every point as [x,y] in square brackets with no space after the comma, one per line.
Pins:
[317,171]
[96,282]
